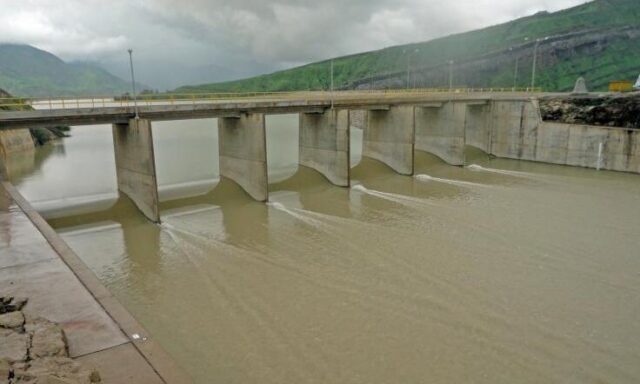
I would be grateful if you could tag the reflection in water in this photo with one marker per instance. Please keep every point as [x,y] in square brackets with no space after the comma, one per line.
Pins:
[508,272]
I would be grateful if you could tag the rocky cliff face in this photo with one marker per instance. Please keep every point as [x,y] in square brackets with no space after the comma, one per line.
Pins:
[622,110]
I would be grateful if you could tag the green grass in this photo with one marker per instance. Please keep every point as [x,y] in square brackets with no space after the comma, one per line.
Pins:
[27,71]
[619,60]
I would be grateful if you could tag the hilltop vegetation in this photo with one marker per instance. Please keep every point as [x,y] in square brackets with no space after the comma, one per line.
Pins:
[599,40]
[28,71]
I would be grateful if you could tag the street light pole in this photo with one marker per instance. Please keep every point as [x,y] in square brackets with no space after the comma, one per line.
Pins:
[535,62]
[450,75]
[331,83]
[409,53]
[133,84]
[515,75]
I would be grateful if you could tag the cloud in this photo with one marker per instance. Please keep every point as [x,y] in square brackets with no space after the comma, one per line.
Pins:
[206,40]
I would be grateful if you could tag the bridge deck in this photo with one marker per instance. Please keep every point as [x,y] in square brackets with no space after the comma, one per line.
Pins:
[52,114]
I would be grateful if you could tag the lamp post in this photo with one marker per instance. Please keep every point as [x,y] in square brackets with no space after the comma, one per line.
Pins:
[409,65]
[450,74]
[133,84]
[535,62]
[515,73]
[331,83]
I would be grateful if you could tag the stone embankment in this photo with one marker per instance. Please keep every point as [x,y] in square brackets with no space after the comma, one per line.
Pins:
[618,110]
[20,140]
[35,351]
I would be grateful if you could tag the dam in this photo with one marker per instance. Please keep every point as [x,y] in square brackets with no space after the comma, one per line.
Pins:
[394,126]
[455,247]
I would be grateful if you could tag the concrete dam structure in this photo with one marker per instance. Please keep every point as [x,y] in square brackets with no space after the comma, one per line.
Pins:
[394,127]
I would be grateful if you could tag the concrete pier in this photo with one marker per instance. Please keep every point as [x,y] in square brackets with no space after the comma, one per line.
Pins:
[389,137]
[440,130]
[243,153]
[135,165]
[324,144]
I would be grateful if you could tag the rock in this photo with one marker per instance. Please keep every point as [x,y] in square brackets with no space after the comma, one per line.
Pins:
[50,379]
[61,368]
[47,339]
[12,320]
[18,303]
[14,347]
[5,368]
[94,377]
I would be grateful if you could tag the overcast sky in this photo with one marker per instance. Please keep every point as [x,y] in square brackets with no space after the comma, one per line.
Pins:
[190,41]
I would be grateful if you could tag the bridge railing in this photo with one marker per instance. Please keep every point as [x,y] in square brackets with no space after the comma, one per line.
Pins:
[92,102]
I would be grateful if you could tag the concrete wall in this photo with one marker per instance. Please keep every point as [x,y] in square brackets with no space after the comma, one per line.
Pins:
[518,132]
[324,144]
[15,140]
[478,127]
[358,118]
[441,131]
[243,153]
[389,137]
[135,165]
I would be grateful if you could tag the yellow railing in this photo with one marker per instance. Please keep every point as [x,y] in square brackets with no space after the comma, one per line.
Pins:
[73,102]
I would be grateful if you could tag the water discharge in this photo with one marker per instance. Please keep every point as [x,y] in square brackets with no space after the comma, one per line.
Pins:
[499,272]
[427,178]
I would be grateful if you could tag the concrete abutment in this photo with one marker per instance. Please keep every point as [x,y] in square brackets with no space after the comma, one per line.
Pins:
[324,144]
[243,153]
[135,165]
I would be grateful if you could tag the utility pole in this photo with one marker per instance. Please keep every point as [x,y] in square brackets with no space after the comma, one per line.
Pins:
[409,66]
[331,83]
[535,62]
[133,84]
[515,75]
[450,75]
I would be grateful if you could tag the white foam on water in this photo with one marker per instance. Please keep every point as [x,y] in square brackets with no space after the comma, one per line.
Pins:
[476,167]
[400,199]
[307,220]
[427,178]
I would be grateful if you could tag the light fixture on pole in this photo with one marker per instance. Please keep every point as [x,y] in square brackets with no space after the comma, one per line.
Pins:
[515,73]
[535,62]
[331,83]
[409,65]
[133,84]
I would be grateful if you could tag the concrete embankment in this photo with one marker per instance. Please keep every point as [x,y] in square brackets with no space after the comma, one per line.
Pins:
[15,140]
[515,130]
[100,334]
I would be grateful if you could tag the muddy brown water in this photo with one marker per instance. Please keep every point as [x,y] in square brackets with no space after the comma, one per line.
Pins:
[502,272]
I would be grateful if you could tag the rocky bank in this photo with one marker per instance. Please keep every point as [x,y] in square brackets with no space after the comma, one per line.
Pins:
[609,110]
[35,351]
[39,136]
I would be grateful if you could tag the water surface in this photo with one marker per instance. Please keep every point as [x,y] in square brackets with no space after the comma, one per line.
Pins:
[502,272]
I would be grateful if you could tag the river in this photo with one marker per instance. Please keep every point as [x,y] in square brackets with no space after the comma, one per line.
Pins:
[500,272]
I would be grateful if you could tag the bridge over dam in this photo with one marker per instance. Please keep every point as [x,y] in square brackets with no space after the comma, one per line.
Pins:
[395,125]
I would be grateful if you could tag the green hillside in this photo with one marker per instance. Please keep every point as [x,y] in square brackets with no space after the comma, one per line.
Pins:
[607,49]
[28,71]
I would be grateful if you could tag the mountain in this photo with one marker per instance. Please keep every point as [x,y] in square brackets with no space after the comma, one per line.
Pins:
[28,71]
[599,40]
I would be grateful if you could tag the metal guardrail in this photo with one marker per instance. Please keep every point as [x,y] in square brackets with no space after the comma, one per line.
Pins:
[73,102]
